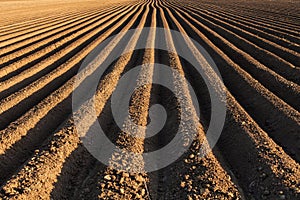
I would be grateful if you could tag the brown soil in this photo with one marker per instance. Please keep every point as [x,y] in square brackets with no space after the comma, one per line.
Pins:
[255,45]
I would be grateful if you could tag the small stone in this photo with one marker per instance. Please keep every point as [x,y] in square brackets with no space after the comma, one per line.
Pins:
[143,192]
[122,191]
[230,194]
[229,178]
[107,177]
[52,148]
[192,156]
[121,180]
[243,122]
[125,174]
[206,191]
[139,178]
[113,177]
[182,184]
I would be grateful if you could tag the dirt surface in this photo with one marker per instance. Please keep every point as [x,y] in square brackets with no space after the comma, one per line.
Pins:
[256,47]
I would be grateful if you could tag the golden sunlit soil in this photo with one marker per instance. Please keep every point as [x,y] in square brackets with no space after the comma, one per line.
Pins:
[255,45]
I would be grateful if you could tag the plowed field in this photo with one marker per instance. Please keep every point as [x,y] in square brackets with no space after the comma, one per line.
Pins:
[255,46]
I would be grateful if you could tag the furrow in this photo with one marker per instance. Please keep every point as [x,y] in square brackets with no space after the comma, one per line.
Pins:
[28,25]
[10,42]
[283,52]
[259,26]
[215,176]
[241,84]
[241,54]
[21,52]
[279,26]
[277,15]
[263,20]
[17,27]
[59,146]
[268,163]
[273,61]
[8,138]
[58,51]
[29,29]
[131,139]
[24,93]
[90,184]
[37,36]
[283,88]
[282,39]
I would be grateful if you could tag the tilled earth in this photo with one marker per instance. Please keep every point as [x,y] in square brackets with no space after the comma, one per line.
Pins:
[256,48]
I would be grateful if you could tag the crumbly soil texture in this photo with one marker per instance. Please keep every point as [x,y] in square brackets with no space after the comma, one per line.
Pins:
[255,46]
